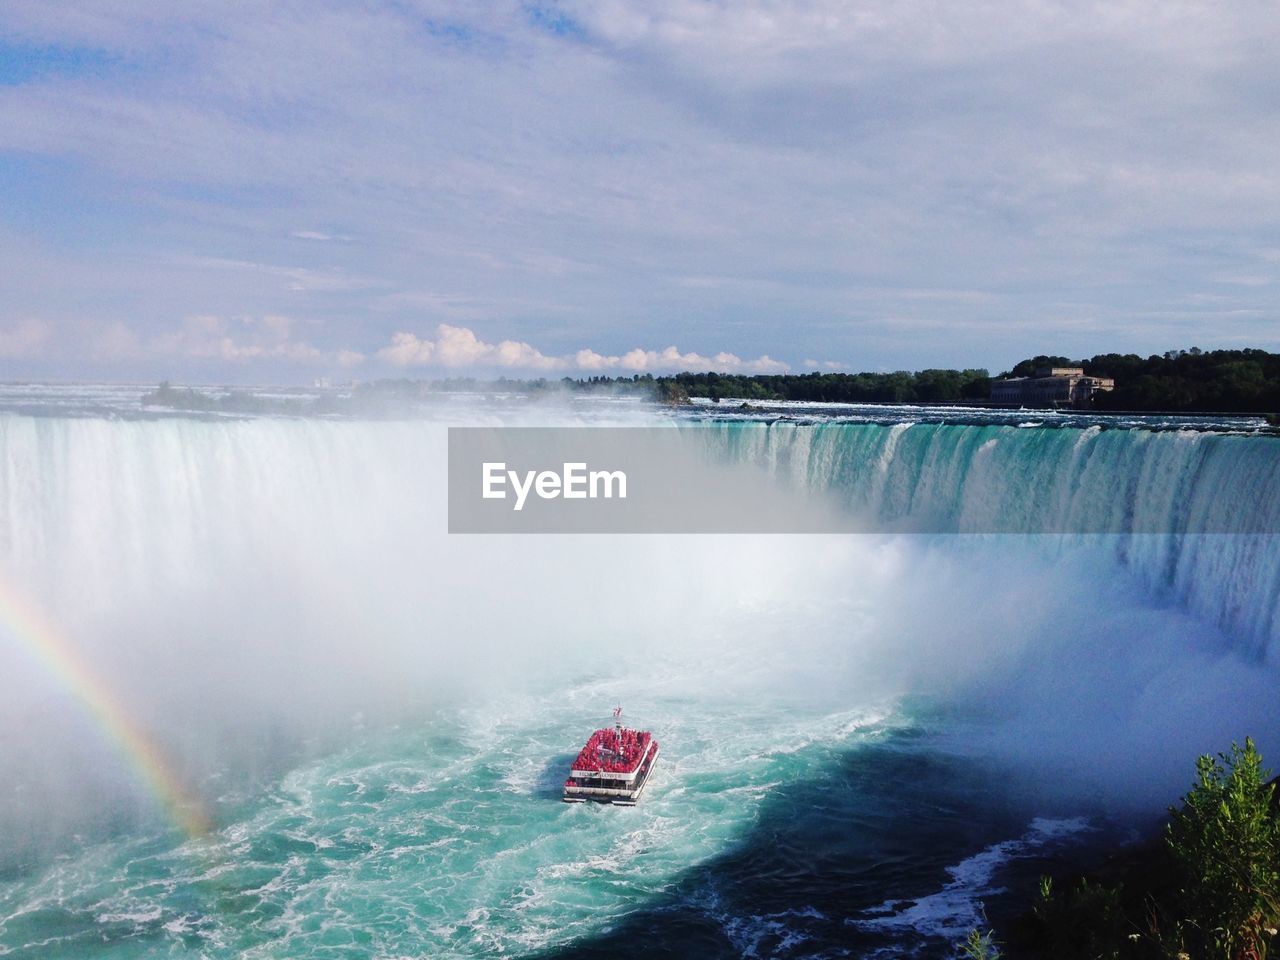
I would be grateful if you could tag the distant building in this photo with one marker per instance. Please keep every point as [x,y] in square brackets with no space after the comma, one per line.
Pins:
[1051,387]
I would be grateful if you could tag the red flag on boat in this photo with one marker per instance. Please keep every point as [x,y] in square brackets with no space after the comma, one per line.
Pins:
[617,712]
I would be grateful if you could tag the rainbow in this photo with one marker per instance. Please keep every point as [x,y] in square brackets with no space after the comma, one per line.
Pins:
[24,624]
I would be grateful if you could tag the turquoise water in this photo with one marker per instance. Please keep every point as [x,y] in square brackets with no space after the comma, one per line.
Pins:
[776,830]
[445,839]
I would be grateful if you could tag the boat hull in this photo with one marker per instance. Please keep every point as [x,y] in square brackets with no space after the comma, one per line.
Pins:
[619,791]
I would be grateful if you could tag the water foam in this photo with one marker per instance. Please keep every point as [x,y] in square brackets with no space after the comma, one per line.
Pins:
[950,913]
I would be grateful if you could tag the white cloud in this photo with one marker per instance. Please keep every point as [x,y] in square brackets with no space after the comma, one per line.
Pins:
[639,361]
[245,339]
[406,350]
[199,339]
[26,338]
[460,347]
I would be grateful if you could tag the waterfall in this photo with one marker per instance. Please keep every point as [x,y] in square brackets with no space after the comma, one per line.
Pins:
[1194,515]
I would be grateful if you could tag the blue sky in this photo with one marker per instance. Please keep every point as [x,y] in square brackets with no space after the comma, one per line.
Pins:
[278,191]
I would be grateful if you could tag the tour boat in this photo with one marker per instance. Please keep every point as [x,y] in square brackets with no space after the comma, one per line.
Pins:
[613,767]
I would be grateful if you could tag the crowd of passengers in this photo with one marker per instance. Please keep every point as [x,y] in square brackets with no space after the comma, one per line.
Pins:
[613,751]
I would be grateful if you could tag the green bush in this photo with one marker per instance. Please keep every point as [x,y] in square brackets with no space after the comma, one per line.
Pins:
[1085,923]
[980,946]
[1209,891]
[1226,840]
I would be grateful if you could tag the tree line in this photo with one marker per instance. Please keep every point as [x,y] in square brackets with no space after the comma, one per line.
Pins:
[1238,381]
[1234,381]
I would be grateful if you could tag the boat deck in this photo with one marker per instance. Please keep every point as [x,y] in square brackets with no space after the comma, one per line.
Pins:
[613,767]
